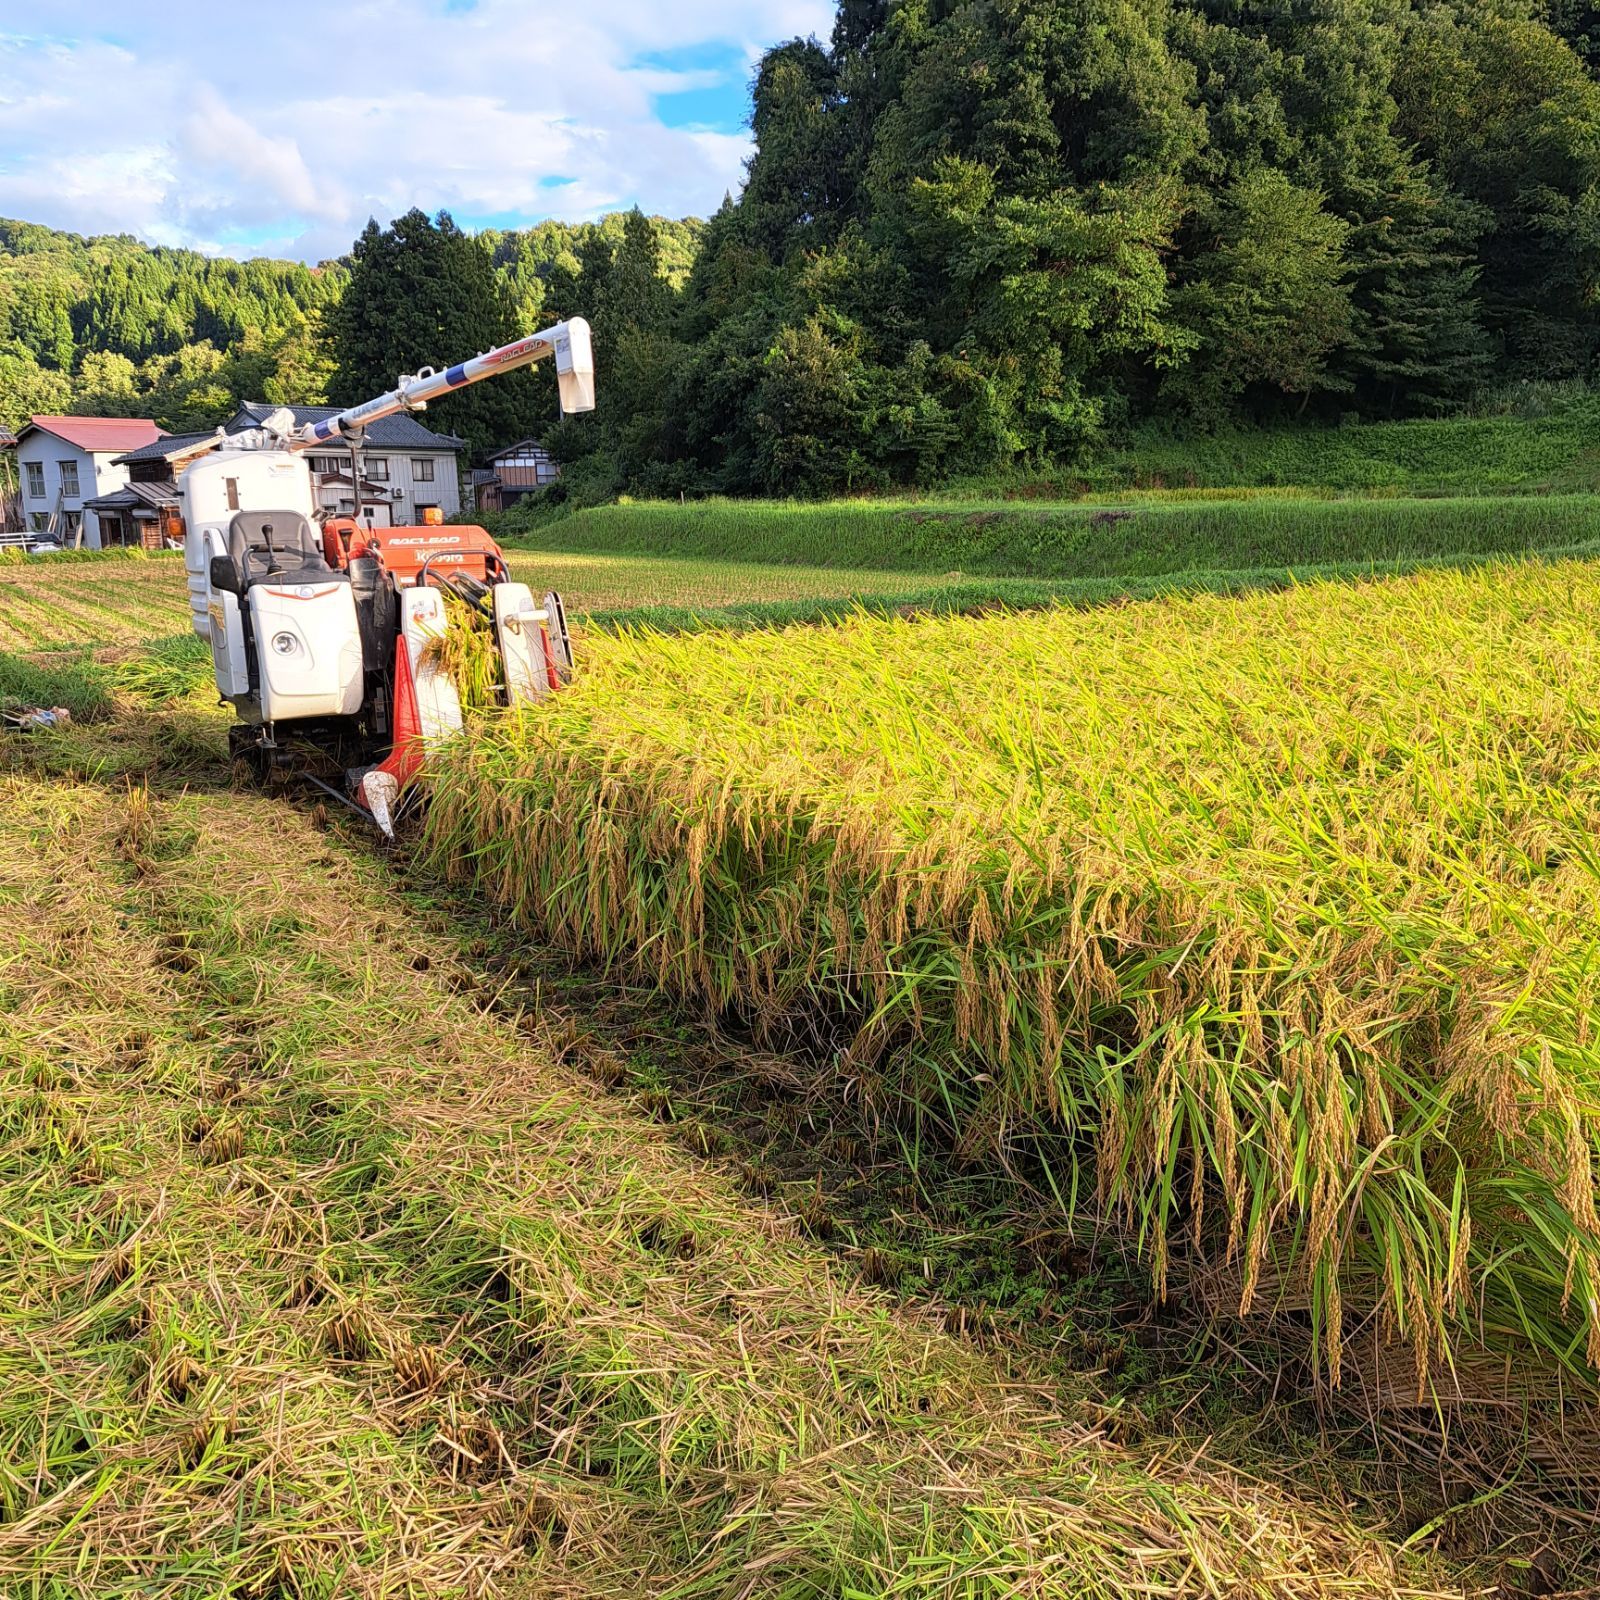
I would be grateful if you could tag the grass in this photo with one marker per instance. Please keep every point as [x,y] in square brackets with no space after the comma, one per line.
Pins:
[47,603]
[70,679]
[1074,542]
[1283,908]
[323,1281]
[1539,442]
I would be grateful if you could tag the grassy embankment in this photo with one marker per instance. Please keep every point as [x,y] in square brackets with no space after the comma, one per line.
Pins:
[932,556]
[1283,909]
[324,1280]
[1544,441]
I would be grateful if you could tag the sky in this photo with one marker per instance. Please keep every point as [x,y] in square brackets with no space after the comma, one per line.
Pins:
[244,128]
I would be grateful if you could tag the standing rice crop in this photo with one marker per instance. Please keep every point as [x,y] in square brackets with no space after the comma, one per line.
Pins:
[1286,910]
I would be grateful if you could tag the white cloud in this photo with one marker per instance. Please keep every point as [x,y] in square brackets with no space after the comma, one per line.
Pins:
[227,128]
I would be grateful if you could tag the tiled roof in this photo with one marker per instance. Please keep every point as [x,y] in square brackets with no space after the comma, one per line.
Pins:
[172,444]
[99,435]
[131,496]
[517,449]
[402,432]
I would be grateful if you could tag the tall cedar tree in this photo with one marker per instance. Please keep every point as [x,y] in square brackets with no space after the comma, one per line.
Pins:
[423,293]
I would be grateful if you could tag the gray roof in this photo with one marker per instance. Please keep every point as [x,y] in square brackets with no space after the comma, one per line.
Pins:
[134,496]
[513,449]
[175,445]
[402,432]
[7,438]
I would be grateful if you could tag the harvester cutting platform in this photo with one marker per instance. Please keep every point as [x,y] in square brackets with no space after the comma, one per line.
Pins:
[327,636]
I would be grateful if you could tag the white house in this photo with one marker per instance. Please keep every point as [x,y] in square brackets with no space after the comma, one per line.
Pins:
[63,462]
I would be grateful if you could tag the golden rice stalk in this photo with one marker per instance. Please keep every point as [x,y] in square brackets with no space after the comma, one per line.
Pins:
[1287,906]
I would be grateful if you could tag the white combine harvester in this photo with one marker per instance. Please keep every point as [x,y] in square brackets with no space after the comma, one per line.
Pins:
[323,634]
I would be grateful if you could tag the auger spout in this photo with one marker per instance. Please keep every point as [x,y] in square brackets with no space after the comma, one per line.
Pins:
[569,343]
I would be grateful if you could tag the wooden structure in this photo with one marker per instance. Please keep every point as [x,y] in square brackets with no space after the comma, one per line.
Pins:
[512,474]
[10,485]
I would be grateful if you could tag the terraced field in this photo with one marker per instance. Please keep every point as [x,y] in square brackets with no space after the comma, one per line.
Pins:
[609,584]
[1244,947]
[50,607]
[117,602]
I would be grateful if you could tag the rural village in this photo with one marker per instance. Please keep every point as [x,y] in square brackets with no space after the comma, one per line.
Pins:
[799,801]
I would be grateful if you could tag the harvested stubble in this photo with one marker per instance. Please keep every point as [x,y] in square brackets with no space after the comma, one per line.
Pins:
[1286,908]
[46,604]
[409,1327]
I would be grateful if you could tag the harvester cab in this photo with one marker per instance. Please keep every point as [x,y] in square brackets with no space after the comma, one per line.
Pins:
[328,636]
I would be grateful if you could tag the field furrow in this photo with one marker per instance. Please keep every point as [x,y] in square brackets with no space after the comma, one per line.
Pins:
[324,1283]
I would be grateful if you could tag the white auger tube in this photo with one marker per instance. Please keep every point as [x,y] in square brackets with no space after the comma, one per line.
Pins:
[568,342]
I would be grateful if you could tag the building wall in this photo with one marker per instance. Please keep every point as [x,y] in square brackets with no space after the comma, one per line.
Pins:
[96,476]
[405,508]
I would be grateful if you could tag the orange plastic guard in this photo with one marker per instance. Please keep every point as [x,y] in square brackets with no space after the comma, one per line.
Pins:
[382,786]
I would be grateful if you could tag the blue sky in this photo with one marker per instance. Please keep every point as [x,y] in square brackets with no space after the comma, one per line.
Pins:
[221,127]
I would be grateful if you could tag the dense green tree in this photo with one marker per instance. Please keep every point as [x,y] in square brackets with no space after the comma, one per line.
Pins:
[1269,302]
[108,385]
[28,390]
[1510,119]
[422,292]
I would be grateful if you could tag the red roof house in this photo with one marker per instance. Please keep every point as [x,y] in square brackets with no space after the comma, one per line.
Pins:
[98,435]
[65,462]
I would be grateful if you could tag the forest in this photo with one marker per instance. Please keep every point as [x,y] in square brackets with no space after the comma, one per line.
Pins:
[972,236]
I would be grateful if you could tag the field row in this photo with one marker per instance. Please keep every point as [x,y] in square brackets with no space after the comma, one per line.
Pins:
[1283,910]
[321,1282]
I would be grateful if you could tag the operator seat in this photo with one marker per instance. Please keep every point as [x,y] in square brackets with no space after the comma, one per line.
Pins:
[281,545]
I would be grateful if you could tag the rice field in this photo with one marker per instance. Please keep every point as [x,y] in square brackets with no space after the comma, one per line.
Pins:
[323,1280]
[50,604]
[1281,914]
[593,584]
[132,600]
[1260,933]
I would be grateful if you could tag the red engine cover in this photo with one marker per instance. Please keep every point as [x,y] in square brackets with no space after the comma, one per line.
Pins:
[405,551]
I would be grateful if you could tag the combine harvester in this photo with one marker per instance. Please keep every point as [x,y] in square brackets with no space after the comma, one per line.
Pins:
[328,638]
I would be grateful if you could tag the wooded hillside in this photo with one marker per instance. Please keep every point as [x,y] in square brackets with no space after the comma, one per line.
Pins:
[984,231]
[973,234]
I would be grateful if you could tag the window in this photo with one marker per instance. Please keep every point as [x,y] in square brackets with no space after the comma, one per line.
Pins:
[422,469]
[326,466]
[74,521]
[35,480]
[377,468]
[69,477]
[39,521]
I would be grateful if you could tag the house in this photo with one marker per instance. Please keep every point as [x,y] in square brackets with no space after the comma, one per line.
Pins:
[405,470]
[66,462]
[146,509]
[512,474]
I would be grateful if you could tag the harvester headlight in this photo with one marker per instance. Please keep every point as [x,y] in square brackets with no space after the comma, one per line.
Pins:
[285,643]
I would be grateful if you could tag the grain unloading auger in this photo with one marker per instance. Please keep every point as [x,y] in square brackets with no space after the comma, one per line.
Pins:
[327,635]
